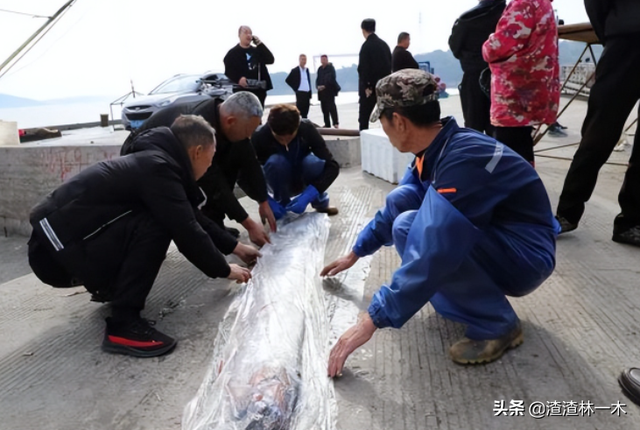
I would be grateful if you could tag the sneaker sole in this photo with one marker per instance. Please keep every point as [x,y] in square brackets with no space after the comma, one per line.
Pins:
[626,390]
[134,352]
[619,239]
[514,344]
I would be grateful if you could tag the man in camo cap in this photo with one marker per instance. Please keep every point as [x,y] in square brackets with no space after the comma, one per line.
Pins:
[408,87]
[471,221]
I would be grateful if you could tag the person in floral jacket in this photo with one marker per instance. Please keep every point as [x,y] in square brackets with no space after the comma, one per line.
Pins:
[525,84]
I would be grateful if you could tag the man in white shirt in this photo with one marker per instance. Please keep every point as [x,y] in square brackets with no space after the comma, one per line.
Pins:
[299,80]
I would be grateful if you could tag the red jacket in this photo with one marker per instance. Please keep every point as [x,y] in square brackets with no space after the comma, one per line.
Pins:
[523,57]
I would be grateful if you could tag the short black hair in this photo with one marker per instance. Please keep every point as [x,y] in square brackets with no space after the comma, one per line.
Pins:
[369,25]
[193,130]
[284,119]
[402,36]
[420,115]
[324,55]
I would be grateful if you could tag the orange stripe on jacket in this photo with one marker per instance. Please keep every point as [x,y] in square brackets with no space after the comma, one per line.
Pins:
[419,163]
[447,190]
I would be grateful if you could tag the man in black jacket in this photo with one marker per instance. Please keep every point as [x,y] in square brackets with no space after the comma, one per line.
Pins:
[234,120]
[611,99]
[246,64]
[401,58]
[109,227]
[374,63]
[328,89]
[469,33]
[299,80]
[296,162]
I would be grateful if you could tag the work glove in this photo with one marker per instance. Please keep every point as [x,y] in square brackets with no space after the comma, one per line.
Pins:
[300,203]
[278,210]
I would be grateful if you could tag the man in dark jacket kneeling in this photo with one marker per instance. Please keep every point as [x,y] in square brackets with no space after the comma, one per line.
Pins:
[296,162]
[109,227]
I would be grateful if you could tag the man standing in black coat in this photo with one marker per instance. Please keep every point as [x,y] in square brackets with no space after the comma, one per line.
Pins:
[611,99]
[374,63]
[246,64]
[328,89]
[109,227]
[234,120]
[299,80]
[469,33]
[401,58]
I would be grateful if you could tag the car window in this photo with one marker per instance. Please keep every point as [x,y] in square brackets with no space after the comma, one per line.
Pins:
[178,84]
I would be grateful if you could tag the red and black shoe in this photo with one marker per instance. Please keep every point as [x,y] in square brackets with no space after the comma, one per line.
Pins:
[136,338]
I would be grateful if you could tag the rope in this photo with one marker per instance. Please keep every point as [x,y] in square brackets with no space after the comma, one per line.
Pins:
[26,14]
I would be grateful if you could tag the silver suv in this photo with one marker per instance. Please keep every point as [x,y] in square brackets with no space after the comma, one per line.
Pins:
[183,87]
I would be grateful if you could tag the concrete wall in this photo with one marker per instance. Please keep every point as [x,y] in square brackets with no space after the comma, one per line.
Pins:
[28,173]
[346,150]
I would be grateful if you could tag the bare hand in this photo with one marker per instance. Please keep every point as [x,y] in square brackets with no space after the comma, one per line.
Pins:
[321,87]
[256,231]
[246,253]
[266,214]
[351,340]
[342,263]
[256,40]
[239,274]
[243,82]
[368,92]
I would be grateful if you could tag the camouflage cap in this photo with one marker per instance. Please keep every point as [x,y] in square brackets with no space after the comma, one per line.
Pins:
[406,87]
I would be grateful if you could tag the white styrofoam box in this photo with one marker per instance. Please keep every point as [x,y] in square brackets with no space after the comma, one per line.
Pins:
[9,133]
[381,158]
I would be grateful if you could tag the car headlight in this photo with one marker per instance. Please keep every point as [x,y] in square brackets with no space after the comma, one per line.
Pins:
[166,102]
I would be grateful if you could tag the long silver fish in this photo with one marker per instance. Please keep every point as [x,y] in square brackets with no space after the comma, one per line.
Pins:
[269,364]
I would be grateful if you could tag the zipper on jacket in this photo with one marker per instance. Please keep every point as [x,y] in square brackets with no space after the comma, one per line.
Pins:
[107,224]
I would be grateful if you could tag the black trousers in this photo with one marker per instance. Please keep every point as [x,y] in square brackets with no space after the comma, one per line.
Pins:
[329,109]
[119,264]
[303,100]
[517,138]
[475,104]
[366,107]
[612,97]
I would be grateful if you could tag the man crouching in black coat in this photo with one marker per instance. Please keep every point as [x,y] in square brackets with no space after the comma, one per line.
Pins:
[109,227]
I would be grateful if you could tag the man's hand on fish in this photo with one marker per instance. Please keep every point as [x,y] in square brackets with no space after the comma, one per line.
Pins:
[239,274]
[256,232]
[266,215]
[351,340]
[342,263]
[246,253]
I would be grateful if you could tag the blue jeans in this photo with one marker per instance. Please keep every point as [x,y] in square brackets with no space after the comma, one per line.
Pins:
[287,179]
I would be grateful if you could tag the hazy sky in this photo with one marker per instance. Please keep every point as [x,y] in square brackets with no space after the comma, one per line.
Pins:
[99,45]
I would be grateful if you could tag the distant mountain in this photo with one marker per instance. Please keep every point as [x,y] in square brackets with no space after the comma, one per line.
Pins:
[443,63]
[80,99]
[7,101]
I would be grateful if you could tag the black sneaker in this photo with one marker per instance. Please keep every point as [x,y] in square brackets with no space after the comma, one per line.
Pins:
[329,210]
[566,225]
[136,338]
[630,236]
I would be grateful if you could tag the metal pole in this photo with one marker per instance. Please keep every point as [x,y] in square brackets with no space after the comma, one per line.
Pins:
[51,19]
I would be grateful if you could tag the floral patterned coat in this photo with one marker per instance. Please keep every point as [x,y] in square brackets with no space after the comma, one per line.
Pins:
[523,58]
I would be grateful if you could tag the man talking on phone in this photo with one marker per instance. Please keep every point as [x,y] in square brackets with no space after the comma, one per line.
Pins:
[246,64]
